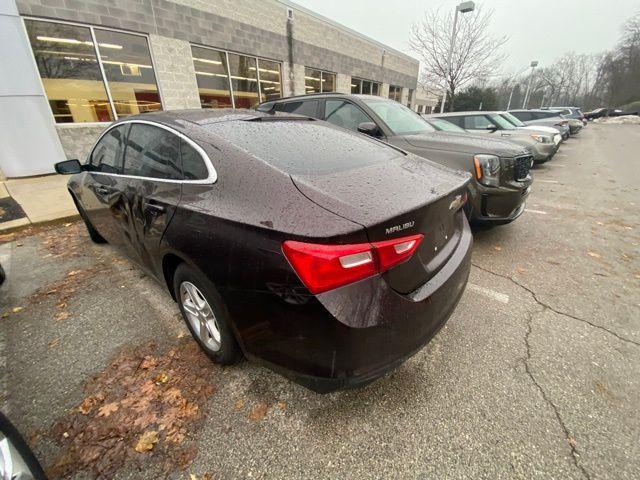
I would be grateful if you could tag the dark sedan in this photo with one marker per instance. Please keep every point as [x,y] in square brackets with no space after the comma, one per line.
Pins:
[325,255]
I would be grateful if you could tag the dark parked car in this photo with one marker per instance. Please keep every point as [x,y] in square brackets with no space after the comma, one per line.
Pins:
[608,112]
[325,255]
[569,112]
[499,168]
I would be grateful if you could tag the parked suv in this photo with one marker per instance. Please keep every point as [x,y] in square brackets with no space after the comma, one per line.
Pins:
[543,117]
[569,112]
[500,169]
[542,144]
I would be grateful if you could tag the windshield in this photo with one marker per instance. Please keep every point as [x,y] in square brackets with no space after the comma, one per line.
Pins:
[502,123]
[445,126]
[400,119]
[512,119]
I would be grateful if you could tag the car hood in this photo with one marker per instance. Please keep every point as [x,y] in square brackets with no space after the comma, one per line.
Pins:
[465,143]
[540,129]
[371,195]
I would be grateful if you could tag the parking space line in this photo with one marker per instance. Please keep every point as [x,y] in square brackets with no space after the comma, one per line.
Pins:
[546,181]
[535,211]
[556,165]
[497,296]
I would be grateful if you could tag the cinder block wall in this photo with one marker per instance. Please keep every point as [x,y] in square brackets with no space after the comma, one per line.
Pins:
[259,28]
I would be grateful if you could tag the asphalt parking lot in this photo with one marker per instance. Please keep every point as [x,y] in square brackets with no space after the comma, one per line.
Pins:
[536,375]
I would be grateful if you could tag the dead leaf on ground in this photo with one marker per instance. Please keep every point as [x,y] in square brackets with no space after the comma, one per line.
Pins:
[61,316]
[148,362]
[17,309]
[594,254]
[89,402]
[521,270]
[146,441]
[54,342]
[259,411]
[108,409]
[282,406]
[572,441]
[497,248]
[73,273]
[239,404]
[162,378]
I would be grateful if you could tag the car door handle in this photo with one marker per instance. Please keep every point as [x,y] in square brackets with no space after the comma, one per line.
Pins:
[154,207]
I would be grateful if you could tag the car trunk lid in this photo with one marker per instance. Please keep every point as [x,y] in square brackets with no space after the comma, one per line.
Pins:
[394,200]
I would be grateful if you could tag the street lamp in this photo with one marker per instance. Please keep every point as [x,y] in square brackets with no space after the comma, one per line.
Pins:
[463,7]
[534,64]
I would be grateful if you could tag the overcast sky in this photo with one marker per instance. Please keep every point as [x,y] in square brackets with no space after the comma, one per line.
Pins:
[537,29]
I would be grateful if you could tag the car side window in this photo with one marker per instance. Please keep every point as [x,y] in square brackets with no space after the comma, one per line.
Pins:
[459,121]
[152,152]
[477,122]
[308,108]
[193,166]
[107,154]
[344,114]
[522,116]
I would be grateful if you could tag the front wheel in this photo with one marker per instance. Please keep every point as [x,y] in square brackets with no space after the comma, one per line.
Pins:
[205,315]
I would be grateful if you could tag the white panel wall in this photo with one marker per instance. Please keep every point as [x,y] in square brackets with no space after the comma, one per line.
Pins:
[29,144]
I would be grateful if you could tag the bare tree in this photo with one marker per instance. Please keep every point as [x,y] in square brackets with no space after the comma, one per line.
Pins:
[476,53]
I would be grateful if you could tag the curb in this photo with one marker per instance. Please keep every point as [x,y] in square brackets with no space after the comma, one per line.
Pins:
[51,222]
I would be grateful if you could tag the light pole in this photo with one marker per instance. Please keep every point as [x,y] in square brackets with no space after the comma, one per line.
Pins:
[534,64]
[514,86]
[463,7]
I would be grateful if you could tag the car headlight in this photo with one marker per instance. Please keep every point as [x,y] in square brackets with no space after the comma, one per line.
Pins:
[487,169]
[541,138]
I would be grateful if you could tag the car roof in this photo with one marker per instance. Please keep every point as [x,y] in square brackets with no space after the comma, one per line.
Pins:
[454,114]
[307,96]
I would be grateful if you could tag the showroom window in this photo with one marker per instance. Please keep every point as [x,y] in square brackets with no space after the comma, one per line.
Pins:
[367,87]
[395,93]
[85,84]
[227,80]
[319,81]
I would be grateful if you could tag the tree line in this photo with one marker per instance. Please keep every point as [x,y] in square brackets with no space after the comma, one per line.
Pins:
[608,79]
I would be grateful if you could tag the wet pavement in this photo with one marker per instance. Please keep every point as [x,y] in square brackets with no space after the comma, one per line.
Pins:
[536,375]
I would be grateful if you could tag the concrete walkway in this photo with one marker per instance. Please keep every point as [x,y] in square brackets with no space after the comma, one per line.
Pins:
[39,200]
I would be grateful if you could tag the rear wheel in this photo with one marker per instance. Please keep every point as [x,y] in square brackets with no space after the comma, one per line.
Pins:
[205,315]
[93,233]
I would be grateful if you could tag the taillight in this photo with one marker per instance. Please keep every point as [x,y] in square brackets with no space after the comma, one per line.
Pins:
[325,267]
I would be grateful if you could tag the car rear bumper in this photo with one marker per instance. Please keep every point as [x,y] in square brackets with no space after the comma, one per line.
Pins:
[352,335]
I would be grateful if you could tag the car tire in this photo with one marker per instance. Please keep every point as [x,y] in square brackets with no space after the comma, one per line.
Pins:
[93,233]
[206,316]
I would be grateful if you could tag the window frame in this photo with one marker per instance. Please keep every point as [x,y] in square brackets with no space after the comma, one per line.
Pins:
[322,74]
[255,57]
[98,58]
[211,178]
[362,80]
[323,112]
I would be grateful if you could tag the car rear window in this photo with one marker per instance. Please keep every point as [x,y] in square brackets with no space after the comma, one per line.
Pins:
[304,147]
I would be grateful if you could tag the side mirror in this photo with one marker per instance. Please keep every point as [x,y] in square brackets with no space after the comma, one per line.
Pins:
[68,167]
[369,128]
[492,128]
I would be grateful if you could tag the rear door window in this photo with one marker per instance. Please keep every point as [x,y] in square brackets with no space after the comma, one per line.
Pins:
[193,166]
[308,108]
[477,122]
[344,114]
[107,154]
[152,152]
[522,116]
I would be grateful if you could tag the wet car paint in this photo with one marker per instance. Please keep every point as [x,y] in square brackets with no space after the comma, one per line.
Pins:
[232,232]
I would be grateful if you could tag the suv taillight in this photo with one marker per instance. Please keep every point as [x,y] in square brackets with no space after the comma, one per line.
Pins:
[325,267]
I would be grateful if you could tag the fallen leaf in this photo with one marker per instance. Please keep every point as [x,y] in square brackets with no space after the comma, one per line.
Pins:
[89,402]
[173,395]
[258,412]
[497,248]
[54,342]
[162,378]
[65,434]
[521,270]
[17,309]
[182,334]
[146,441]
[62,315]
[68,224]
[239,404]
[62,305]
[148,362]
[594,254]
[73,273]
[282,406]
[4,315]
[107,409]
[572,441]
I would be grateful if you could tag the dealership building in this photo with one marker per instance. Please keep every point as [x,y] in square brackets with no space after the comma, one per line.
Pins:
[69,67]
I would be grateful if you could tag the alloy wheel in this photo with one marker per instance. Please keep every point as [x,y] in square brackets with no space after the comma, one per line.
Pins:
[200,316]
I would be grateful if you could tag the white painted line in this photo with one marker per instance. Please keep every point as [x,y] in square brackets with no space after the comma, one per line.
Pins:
[555,165]
[498,297]
[546,181]
[558,155]
[535,211]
